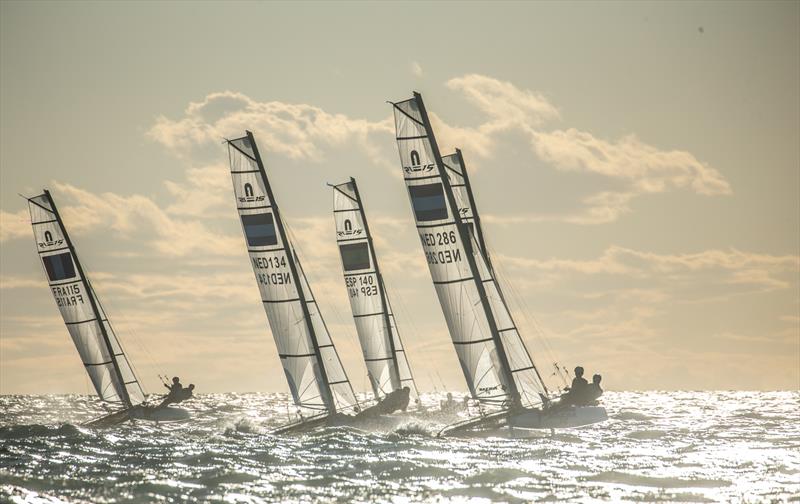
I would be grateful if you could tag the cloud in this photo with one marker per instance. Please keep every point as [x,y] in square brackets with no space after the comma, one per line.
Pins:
[306,132]
[504,103]
[416,69]
[14,225]
[647,169]
[732,267]
[297,131]
[167,234]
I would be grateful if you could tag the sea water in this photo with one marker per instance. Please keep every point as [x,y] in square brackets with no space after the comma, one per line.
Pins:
[656,446]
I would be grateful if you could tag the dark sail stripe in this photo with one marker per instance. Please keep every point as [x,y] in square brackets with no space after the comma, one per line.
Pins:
[272,301]
[445,282]
[295,356]
[484,340]
[371,272]
[90,364]
[423,226]
[368,314]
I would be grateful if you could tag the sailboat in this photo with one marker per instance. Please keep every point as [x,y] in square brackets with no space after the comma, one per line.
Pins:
[387,363]
[100,349]
[498,368]
[317,380]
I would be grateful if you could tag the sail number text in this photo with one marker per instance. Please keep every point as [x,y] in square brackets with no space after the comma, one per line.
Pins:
[445,256]
[361,286]
[271,262]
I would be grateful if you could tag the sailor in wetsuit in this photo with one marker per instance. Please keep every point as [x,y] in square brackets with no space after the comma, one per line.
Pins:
[576,392]
[177,393]
[394,401]
[593,390]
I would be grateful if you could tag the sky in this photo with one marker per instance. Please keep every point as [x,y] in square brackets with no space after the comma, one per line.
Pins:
[637,167]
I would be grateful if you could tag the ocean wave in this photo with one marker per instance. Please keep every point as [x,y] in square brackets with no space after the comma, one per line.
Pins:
[624,478]
[36,430]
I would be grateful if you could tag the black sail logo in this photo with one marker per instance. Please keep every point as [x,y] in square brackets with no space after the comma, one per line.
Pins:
[249,197]
[49,241]
[348,229]
[416,164]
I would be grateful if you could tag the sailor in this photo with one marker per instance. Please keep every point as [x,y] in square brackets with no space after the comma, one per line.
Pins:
[449,404]
[175,391]
[579,383]
[186,393]
[397,400]
[593,390]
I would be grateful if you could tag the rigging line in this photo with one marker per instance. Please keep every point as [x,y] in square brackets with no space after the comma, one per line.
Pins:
[153,363]
[526,313]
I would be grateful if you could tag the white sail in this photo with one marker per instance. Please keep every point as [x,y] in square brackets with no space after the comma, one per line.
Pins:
[385,357]
[316,377]
[101,352]
[497,367]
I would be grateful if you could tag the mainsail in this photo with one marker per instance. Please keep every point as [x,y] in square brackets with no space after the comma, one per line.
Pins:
[493,357]
[100,350]
[386,359]
[316,377]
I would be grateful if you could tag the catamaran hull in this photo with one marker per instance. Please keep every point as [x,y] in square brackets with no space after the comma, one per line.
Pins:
[167,414]
[562,418]
[146,413]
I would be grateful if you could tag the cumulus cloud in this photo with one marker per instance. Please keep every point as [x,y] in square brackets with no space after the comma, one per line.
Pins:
[646,168]
[503,102]
[297,131]
[14,225]
[765,271]
[305,132]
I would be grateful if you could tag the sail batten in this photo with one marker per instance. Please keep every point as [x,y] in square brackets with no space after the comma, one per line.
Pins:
[496,365]
[314,372]
[99,348]
[386,361]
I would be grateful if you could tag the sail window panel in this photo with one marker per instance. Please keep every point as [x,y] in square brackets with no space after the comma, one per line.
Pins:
[59,266]
[259,230]
[428,202]
[355,256]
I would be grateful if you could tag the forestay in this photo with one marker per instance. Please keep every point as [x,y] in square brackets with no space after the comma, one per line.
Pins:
[495,362]
[386,359]
[315,374]
[100,349]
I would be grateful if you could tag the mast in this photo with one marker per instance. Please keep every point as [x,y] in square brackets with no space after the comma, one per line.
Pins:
[384,304]
[92,302]
[466,240]
[290,256]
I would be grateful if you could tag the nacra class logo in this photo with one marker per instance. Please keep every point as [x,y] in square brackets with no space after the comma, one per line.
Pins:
[416,165]
[49,241]
[248,195]
[348,229]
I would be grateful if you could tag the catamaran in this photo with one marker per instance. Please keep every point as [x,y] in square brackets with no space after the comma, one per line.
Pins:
[387,363]
[317,380]
[498,368]
[100,349]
